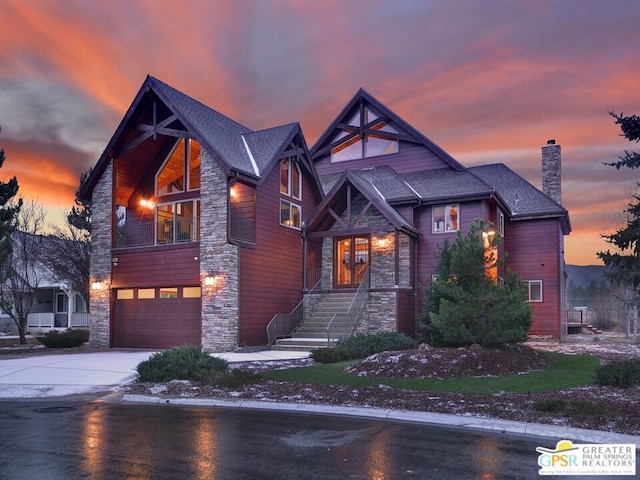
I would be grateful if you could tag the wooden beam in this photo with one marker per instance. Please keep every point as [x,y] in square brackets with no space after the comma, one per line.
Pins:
[364,210]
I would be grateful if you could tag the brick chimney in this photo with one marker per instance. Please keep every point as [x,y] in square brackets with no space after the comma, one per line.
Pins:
[552,171]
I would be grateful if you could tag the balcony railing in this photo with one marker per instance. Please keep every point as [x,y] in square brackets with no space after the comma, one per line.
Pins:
[158,233]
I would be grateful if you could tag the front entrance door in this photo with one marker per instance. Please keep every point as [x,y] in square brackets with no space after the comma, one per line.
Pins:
[351,261]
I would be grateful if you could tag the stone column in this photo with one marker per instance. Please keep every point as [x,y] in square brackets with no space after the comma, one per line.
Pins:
[220,313]
[100,269]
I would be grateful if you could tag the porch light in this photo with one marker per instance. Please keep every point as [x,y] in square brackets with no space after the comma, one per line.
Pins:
[211,279]
[146,203]
[382,242]
[97,285]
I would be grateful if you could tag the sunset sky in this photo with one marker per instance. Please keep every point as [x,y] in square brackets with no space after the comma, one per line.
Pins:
[487,80]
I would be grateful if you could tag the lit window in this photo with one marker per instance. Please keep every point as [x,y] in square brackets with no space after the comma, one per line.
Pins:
[290,214]
[501,223]
[178,222]
[185,157]
[191,292]
[146,293]
[169,292]
[125,294]
[534,290]
[445,218]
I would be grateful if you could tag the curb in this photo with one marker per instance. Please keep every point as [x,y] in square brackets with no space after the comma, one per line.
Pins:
[427,418]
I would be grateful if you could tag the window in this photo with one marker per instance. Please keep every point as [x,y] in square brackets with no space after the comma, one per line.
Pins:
[445,218]
[178,222]
[534,290]
[290,185]
[80,304]
[290,214]
[369,137]
[146,293]
[62,303]
[169,292]
[501,223]
[125,294]
[185,157]
[290,178]
[191,292]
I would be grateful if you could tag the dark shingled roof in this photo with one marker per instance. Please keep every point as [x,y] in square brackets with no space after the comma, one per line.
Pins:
[384,179]
[218,131]
[446,183]
[266,144]
[519,196]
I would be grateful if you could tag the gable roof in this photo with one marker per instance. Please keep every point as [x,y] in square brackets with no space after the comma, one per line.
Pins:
[383,178]
[407,132]
[371,193]
[236,147]
[521,198]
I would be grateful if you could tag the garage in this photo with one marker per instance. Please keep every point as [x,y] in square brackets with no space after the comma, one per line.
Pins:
[157,317]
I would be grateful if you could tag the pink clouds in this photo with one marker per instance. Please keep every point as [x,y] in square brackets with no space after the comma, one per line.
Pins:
[489,81]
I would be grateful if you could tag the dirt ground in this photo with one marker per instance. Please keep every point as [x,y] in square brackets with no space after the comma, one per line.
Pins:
[590,406]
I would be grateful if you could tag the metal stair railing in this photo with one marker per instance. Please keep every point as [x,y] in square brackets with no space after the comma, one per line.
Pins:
[284,324]
[344,325]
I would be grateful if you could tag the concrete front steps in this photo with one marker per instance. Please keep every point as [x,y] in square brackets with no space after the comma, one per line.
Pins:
[311,334]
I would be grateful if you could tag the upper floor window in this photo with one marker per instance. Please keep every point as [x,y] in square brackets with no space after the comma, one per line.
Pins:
[366,135]
[178,222]
[290,214]
[290,178]
[181,170]
[501,223]
[445,218]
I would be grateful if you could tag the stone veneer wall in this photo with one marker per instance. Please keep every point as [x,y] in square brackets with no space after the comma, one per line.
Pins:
[380,313]
[220,313]
[100,269]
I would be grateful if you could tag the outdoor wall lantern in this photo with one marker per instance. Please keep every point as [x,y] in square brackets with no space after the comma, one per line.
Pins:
[211,279]
[97,285]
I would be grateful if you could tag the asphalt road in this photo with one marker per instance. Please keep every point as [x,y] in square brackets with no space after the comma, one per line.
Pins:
[74,439]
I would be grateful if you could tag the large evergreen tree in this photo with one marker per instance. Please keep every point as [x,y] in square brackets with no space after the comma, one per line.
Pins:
[467,305]
[625,259]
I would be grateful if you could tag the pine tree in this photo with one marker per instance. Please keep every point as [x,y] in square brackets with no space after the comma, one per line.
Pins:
[625,260]
[470,306]
[8,214]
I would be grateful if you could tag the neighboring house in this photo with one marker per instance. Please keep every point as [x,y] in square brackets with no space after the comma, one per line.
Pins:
[204,230]
[56,306]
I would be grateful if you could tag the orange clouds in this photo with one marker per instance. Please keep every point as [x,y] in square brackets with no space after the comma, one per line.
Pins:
[489,81]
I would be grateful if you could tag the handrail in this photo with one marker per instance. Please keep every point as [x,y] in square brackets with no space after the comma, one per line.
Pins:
[164,232]
[284,324]
[350,323]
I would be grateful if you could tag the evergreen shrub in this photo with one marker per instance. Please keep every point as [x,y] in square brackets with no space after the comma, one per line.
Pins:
[69,338]
[362,345]
[187,362]
[619,373]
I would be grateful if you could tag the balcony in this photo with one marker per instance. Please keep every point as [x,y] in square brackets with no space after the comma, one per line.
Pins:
[165,232]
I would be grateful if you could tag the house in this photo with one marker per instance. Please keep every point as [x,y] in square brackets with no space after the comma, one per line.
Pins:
[51,303]
[210,233]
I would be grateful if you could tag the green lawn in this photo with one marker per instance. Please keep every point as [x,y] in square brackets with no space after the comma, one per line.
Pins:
[567,371]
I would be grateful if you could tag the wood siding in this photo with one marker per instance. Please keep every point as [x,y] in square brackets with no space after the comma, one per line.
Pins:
[411,157]
[430,243]
[164,266]
[271,272]
[533,249]
[406,313]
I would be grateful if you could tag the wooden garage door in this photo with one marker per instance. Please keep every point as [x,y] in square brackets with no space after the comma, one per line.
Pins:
[157,317]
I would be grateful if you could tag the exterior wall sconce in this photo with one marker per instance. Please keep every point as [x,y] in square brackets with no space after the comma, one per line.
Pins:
[211,279]
[382,242]
[146,203]
[97,285]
